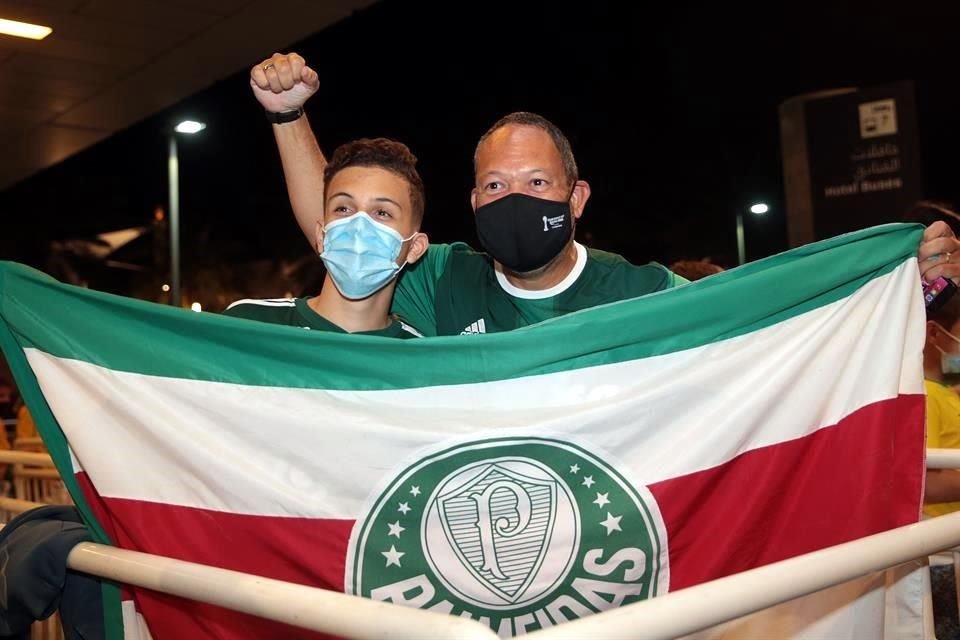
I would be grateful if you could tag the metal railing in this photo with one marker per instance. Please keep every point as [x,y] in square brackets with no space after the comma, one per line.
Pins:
[306,607]
[8,456]
[943,458]
[15,505]
[669,616]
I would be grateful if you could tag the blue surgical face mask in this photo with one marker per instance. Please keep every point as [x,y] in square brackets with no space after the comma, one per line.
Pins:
[361,254]
[949,362]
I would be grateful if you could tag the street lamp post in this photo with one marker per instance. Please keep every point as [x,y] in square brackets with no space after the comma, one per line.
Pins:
[173,182]
[759,209]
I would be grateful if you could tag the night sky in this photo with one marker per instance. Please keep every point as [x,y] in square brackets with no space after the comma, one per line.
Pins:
[672,114]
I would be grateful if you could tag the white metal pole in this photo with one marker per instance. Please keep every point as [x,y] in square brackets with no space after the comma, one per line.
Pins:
[305,607]
[709,604]
[943,458]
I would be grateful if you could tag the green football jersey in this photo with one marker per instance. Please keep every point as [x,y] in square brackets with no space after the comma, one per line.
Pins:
[295,312]
[455,290]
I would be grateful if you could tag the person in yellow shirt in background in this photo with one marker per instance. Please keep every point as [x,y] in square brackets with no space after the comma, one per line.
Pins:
[26,427]
[941,358]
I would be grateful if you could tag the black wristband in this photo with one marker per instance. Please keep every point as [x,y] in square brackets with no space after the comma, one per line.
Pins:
[283,116]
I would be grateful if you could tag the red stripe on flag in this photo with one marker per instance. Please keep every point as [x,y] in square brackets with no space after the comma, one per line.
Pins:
[102,515]
[97,505]
[299,550]
[861,476]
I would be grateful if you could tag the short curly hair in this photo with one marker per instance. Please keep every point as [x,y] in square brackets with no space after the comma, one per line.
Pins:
[381,153]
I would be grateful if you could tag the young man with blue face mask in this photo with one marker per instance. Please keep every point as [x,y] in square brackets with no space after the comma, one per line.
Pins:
[369,231]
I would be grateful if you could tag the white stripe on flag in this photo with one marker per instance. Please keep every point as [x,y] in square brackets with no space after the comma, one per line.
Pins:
[315,453]
[74,463]
[134,626]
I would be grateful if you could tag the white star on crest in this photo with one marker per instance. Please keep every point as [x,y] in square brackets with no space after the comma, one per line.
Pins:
[415,491]
[575,469]
[588,482]
[393,556]
[612,523]
[602,499]
[395,529]
[403,508]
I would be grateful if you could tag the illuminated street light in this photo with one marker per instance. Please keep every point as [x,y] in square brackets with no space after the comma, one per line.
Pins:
[190,127]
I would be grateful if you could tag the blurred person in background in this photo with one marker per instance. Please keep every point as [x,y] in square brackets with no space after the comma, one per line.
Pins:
[695,269]
[941,357]
[26,427]
[926,212]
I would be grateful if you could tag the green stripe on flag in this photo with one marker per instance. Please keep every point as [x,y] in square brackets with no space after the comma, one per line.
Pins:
[48,428]
[135,336]
[56,445]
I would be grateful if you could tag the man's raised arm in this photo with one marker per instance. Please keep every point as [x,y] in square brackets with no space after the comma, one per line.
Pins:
[282,84]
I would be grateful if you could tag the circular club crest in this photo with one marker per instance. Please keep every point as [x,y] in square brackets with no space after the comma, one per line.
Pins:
[521,533]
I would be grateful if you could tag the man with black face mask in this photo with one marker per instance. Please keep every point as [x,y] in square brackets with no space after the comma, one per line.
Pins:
[527,198]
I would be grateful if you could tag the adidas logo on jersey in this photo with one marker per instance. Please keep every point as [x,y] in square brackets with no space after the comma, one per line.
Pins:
[475,327]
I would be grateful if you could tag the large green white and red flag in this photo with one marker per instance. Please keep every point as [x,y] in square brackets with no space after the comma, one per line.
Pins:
[523,478]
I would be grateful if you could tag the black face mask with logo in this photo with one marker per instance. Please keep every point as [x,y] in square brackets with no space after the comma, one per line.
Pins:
[524,233]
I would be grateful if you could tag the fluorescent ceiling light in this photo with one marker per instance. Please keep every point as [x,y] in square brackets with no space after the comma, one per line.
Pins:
[24,29]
